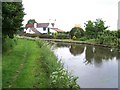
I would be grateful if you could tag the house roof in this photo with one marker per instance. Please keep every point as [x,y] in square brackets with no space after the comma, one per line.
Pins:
[39,25]
[44,24]
[35,30]
[58,30]
[29,25]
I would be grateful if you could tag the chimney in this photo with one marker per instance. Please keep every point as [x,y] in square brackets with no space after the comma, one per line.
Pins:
[35,25]
[50,24]
[55,26]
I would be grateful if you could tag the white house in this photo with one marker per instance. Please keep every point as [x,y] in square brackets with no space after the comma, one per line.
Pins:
[42,28]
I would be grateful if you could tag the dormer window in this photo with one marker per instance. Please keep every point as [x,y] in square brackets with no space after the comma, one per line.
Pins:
[44,28]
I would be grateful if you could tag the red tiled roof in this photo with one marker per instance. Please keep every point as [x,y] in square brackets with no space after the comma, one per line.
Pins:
[35,30]
[38,25]
[58,30]
[44,24]
[29,25]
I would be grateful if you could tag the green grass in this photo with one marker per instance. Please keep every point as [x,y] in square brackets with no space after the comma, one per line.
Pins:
[20,63]
[31,64]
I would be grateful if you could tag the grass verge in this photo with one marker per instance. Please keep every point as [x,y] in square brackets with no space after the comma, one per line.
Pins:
[31,64]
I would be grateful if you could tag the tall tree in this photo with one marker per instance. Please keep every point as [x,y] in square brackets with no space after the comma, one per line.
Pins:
[94,28]
[89,27]
[12,17]
[99,26]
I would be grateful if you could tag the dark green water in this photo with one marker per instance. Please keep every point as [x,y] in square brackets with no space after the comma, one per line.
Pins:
[96,67]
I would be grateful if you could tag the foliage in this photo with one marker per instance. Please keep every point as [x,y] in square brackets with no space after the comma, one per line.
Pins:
[89,27]
[12,17]
[61,78]
[31,21]
[83,39]
[93,28]
[74,37]
[62,36]
[58,77]
[77,32]
[118,33]
[8,44]
[35,67]
[108,38]
[46,36]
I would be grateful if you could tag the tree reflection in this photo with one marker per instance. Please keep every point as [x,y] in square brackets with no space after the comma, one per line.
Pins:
[89,54]
[63,45]
[76,49]
[93,54]
[96,55]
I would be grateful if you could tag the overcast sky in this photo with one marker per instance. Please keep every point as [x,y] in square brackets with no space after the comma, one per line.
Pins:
[70,12]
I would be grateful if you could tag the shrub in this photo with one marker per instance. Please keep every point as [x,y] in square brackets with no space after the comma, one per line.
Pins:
[83,39]
[74,37]
[8,44]
[77,32]
[62,36]
[46,36]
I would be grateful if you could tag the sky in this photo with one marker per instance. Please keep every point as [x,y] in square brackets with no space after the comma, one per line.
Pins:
[70,12]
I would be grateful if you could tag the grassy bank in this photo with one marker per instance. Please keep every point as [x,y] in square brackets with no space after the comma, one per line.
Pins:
[31,64]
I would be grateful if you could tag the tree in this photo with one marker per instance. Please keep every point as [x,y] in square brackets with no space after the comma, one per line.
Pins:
[94,28]
[31,21]
[99,26]
[77,32]
[89,27]
[12,17]
[118,33]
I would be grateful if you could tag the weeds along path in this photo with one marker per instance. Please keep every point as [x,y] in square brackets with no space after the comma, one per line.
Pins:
[22,67]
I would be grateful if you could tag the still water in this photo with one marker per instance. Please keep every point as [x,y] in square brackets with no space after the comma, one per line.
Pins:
[96,67]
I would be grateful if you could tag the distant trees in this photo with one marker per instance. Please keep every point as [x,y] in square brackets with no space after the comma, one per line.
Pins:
[94,28]
[76,32]
[12,17]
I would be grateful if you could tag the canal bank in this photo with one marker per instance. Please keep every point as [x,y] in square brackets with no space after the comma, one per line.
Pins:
[77,42]
[71,41]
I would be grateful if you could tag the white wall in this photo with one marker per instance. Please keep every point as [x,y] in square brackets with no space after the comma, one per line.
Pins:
[42,31]
[52,31]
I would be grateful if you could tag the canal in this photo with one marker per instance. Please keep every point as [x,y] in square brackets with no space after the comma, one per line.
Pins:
[96,67]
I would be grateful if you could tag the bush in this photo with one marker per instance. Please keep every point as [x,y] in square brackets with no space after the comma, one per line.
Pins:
[8,44]
[83,39]
[62,36]
[46,36]
[30,35]
[74,37]
[77,32]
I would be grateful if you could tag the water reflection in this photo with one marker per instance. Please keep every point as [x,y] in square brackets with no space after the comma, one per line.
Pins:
[76,49]
[93,54]
[96,67]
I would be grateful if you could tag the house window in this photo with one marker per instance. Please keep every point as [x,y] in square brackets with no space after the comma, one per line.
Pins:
[44,28]
[29,30]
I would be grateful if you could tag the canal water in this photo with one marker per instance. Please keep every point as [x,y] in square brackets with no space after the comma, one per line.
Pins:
[96,67]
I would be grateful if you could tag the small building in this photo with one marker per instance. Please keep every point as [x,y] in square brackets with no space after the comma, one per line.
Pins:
[43,28]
